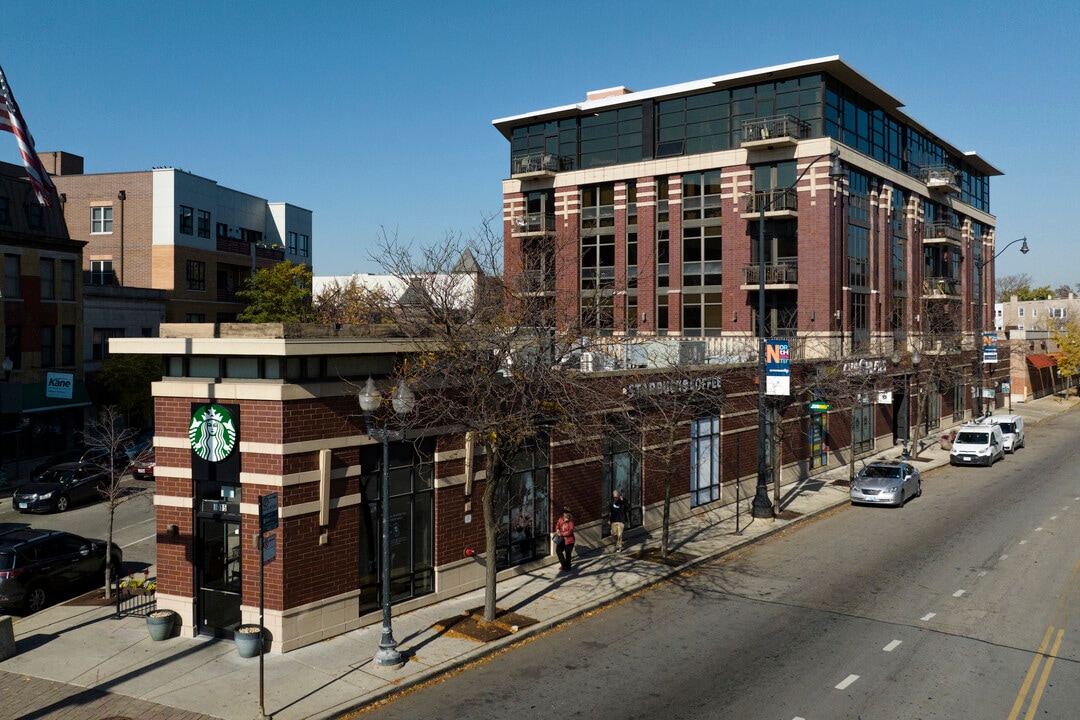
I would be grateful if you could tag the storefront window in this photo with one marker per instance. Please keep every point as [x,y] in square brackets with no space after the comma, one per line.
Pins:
[522,507]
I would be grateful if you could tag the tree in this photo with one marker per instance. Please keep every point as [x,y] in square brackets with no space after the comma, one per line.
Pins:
[1063,291]
[1009,285]
[108,432]
[128,379]
[277,294]
[1067,338]
[350,303]
[1043,292]
[485,359]
[849,383]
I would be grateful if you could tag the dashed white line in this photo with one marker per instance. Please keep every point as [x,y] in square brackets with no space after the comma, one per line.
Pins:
[958,593]
[1003,557]
[847,681]
[1023,542]
[982,573]
[148,537]
[1038,529]
[1053,517]
[892,646]
[927,617]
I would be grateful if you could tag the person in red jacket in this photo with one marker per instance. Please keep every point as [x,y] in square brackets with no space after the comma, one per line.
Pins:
[564,529]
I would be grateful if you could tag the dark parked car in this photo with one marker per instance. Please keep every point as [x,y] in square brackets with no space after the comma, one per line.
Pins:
[36,564]
[64,456]
[59,487]
[142,467]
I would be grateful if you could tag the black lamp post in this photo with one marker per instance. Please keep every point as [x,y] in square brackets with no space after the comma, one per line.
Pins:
[762,507]
[403,402]
[982,301]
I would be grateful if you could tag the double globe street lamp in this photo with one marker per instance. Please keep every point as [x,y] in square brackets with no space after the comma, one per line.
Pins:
[762,507]
[404,402]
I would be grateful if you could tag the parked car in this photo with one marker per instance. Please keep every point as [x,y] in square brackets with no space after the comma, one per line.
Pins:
[886,482]
[71,455]
[142,467]
[59,487]
[1012,431]
[977,444]
[101,458]
[36,564]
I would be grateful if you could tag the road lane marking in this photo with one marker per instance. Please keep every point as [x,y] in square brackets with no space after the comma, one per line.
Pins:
[1038,529]
[927,617]
[982,573]
[1035,662]
[1037,695]
[847,682]
[958,593]
[148,537]
[1003,557]
[1023,542]
[1053,517]
[891,646]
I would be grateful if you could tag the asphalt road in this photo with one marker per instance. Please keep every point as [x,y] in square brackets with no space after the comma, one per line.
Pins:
[959,605]
[133,528]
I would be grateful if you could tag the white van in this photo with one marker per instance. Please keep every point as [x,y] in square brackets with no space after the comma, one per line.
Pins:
[1012,430]
[977,444]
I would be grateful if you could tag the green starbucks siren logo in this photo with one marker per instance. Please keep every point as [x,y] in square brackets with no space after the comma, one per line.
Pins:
[212,433]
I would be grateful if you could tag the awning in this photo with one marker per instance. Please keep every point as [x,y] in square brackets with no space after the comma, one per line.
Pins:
[1041,362]
[35,400]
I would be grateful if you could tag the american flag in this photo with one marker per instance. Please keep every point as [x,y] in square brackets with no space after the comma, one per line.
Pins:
[12,121]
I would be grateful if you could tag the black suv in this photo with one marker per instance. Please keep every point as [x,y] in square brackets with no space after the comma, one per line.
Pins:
[37,564]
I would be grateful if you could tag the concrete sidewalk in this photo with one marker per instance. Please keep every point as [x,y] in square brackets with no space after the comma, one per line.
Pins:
[78,662]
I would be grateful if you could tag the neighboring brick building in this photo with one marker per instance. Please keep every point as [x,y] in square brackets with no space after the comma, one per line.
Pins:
[43,396]
[171,230]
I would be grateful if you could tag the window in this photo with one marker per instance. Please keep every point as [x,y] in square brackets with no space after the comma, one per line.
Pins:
[304,246]
[101,272]
[47,272]
[196,317]
[187,220]
[67,345]
[1035,312]
[48,346]
[522,504]
[35,216]
[704,461]
[101,219]
[1020,311]
[12,276]
[67,279]
[204,223]
[1057,313]
[196,275]
[250,236]
[5,211]
[222,230]
[101,341]
[293,237]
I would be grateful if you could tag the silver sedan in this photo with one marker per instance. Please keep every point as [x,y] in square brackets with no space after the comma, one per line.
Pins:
[886,483]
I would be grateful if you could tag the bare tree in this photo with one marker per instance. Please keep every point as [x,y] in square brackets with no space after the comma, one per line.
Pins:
[109,433]
[1009,285]
[848,384]
[350,302]
[486,359]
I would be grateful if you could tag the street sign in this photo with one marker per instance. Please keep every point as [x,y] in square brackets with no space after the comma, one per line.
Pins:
[819,406]
[269,548]
[268,512]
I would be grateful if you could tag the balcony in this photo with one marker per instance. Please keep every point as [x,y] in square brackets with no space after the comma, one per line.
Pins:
[535,282]
[942,233]
[777,204]
[778,276]
[539,165]
[533,224]
[941,288]
[775,131]
[242,247]
[941,178]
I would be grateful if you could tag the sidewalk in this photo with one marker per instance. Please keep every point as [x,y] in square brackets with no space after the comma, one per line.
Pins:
[77,662]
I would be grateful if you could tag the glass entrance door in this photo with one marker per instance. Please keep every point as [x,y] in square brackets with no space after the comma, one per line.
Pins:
[219,578]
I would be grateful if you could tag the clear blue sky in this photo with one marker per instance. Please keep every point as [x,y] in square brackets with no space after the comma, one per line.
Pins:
[378,114]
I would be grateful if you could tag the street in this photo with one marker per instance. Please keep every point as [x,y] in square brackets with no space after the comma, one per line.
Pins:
[133,530]
[957,605]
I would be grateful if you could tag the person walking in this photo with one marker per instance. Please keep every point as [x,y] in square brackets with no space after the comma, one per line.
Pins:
[564,539]
[617,518]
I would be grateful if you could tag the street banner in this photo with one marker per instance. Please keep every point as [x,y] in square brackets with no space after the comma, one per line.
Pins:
[989,343]
[777,368]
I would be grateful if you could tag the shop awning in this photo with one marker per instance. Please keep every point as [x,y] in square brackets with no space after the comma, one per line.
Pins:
[34,398]
[1041,362]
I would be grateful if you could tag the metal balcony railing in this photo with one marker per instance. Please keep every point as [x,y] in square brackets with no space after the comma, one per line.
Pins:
[775,128]
[533,224]
[773,200]
[942,231]
[540,163]
[940,177]
[941,287]
[784,273]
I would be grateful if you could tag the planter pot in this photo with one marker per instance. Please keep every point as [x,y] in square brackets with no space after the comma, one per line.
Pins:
[160,624]
[248,640]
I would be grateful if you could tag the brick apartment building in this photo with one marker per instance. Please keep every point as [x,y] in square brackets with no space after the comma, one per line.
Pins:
[43,396]
[176,232]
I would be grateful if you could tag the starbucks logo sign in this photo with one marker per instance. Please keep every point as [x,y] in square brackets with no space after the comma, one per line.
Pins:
[212,433]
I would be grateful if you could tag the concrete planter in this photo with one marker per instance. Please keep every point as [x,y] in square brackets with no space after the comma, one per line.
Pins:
[160,623]
[248,640]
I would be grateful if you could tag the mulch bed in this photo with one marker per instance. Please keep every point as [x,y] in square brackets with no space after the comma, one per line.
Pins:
[788,515]
[471,626]
[674,558]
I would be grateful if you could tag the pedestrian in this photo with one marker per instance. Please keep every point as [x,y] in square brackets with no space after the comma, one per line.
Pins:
[617,518]
[564,538]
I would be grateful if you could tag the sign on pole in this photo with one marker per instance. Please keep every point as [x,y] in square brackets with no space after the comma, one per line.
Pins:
[990,354]
[268,512]
[269,548]
[777,368]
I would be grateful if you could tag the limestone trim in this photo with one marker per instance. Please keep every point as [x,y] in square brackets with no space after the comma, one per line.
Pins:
[174,501]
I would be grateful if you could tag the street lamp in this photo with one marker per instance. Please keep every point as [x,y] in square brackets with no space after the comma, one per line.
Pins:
[762,507]
[979,342]
[403,402]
